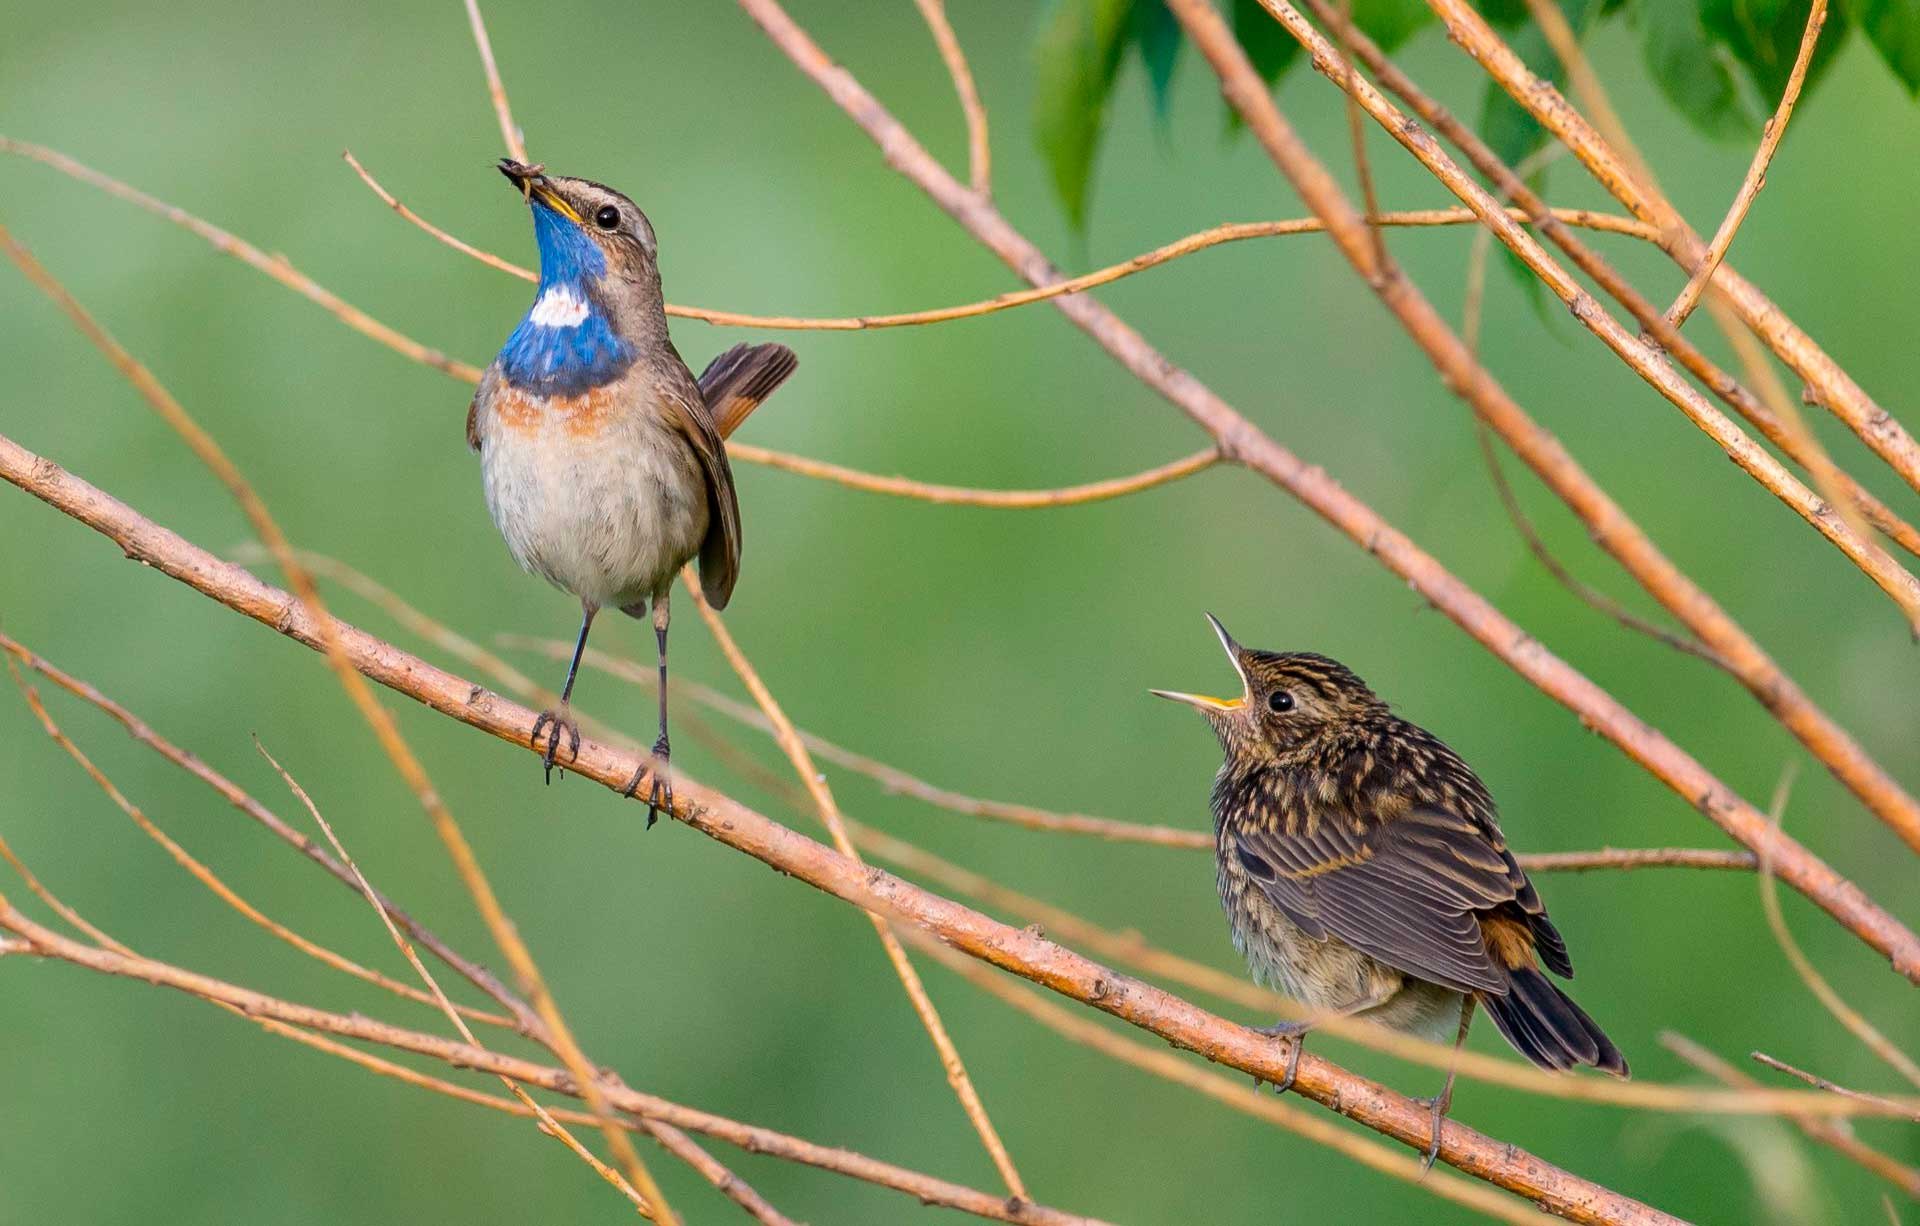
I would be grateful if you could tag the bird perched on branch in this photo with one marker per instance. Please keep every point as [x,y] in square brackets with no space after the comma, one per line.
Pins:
[603,458]
[1364,874]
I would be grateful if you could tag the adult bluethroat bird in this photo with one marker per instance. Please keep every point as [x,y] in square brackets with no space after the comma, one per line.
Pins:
[602,456]
[1364,874]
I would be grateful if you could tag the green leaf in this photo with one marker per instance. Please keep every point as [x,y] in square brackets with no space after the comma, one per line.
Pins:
[1267,42]
[1764,36]
[1391,22]
[1508,13]
[1693,75]
[1076,57]
[1157,31]
[1893,27]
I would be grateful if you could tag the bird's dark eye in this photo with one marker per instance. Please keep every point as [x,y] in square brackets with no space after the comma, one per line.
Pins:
[608,218]
[1280,700]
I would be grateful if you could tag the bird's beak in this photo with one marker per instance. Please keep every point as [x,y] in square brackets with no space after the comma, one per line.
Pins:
[531,182]
[1202,701]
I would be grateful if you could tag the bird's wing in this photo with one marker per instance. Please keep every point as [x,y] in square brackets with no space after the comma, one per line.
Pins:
[489,379]
[1411,891]
[687,411]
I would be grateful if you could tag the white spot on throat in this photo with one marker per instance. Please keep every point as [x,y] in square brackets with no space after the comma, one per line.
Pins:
[560,307]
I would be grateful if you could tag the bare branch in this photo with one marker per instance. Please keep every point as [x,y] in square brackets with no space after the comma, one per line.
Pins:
[509,131]
[1831,385]
[1756,173]
[1821,1083]
[979,156]
[954,495]
[1419,318]
[1772,414]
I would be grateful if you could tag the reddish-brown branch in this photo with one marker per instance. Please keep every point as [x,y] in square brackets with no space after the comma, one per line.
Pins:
[954,495]
[979,154]
[1643,359]
[1830,384]
[1772,415]
[719,817]
[1756,172]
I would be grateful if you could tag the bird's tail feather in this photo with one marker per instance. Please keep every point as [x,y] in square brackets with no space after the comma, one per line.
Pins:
[1544,1024]
[735,383]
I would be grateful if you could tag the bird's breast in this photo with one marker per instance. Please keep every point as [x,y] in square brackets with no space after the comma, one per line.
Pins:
[585,414]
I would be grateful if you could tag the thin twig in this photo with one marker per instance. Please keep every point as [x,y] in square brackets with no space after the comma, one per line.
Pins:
[954,495]
[830,816]
[1756,175]
[496,89]
[900,783]
[1362,167]
[979,155]
[1829,1132]
[1824,992]
[1822,1083]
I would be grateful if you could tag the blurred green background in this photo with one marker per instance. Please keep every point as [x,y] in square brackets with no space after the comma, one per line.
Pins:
[1004,654]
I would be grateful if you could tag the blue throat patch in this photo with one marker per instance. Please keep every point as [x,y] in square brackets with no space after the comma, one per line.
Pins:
[565,344]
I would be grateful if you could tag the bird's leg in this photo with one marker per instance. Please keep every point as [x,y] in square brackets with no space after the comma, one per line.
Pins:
[660,792]
[1443,1101]
[558,721]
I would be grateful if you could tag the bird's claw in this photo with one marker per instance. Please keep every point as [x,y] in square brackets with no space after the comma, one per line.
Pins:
[1438,1106]
[1295,1034]
[559,726]
[660,791]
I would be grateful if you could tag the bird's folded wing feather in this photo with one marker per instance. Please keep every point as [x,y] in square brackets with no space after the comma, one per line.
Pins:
[720,552]
[1407,891]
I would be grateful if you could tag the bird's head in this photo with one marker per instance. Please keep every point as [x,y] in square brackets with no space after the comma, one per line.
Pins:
[1287,700]
[599,300]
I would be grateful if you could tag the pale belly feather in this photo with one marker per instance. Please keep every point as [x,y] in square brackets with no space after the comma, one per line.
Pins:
[608,513]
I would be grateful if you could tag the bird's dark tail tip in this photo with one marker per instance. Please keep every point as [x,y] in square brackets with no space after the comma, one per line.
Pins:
[735,383]
[1546,1027]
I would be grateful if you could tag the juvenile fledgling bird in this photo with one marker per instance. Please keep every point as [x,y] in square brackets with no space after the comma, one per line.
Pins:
[602,456]
[1364,874]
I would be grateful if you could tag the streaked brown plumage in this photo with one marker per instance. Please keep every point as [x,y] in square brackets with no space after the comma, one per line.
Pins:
[1363,870]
